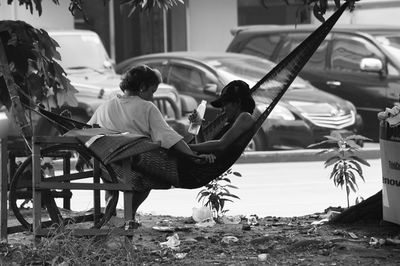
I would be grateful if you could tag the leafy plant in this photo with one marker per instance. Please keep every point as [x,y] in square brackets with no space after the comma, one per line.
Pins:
[346,163]
[216,193]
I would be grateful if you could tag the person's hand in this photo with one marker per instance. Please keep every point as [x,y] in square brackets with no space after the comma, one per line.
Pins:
[206,158]
[194,118]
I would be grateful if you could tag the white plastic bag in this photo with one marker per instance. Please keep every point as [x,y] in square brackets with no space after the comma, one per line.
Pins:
[202,214]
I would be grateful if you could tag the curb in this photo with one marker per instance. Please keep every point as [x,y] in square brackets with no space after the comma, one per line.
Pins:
[288,156]
[299,156]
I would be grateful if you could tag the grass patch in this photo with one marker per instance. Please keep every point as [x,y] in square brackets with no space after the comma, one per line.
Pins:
[63,248]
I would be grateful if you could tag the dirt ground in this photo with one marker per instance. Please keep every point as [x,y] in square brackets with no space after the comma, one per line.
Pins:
[306,240]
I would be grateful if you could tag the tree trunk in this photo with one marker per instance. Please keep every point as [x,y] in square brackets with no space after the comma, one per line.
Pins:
[368,211]
[16,110]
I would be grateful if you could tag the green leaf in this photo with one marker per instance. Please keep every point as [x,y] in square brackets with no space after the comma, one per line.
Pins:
[226,180]
[319,143]
[332,160]
[356,165]
[357,137]
[362,161]
[351,167]
[229,195]
[352,187]
[205,194]
[351,177]
[332,174]
[362,177]
[335,178]
[335,135]
[353,144]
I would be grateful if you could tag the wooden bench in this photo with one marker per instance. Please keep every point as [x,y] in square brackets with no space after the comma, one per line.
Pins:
[41,187]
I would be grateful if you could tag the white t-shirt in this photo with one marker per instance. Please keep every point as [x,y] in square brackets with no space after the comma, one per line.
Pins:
[135,115]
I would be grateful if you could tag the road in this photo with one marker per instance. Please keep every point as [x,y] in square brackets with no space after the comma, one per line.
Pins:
[266,189]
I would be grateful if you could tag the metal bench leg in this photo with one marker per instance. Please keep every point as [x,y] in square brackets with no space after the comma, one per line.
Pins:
[37,194]
[3,189]
[128,195]
[51,207]
[67,170]
[96,193]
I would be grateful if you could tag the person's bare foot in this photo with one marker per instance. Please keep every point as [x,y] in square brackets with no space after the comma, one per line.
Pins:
[132,224]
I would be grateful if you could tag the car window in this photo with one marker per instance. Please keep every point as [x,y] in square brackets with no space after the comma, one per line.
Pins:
[262,46]
[348,52]
[166,108]
[185,79]
[318,59]
[91,52]
[392,70]
[160,66]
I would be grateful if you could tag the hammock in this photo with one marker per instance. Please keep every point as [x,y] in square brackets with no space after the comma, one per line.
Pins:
[157,168]
[163,168]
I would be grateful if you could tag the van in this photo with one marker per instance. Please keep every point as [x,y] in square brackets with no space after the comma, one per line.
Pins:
[359,63]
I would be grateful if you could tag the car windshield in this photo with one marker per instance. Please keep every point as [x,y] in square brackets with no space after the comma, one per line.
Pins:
[248,69]
[81,51]
[392,44]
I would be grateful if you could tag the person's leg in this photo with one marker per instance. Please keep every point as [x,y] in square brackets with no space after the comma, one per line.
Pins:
[109,194]
[137,199]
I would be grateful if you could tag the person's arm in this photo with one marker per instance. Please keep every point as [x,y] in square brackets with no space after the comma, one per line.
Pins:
[243,123]
[182,147]
[170,139]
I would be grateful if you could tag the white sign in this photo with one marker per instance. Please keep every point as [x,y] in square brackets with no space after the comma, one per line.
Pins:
[390,158]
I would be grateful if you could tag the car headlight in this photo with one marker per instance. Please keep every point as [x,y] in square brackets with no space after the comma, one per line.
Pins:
[3,116]
[279,112]
[4,123]
[351,106]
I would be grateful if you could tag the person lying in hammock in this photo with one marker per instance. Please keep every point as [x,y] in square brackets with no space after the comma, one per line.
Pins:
[238,105]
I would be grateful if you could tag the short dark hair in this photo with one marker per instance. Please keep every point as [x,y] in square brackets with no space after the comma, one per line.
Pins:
[138,75]
[236,91]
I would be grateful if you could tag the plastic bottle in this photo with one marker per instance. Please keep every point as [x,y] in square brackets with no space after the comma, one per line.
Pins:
[195,127]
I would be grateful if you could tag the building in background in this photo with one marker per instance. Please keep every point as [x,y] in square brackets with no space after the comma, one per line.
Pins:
[195,25]
[382,12]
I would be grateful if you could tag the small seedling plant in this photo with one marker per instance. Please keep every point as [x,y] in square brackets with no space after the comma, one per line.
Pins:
[346,163]
[217,193]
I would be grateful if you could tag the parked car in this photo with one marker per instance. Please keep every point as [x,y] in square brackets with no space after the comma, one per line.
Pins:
[92,73]
[359,63]
[302,117]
